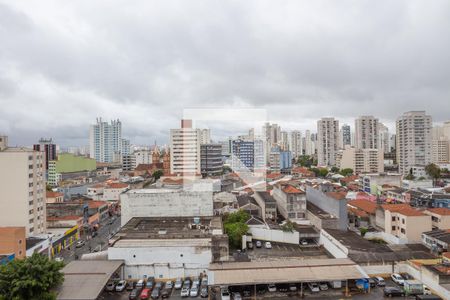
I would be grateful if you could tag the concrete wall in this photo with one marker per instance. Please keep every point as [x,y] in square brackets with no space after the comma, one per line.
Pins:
[275,235]
[332,245]
[165,203]
[322,223]
[335,207]
[388,238]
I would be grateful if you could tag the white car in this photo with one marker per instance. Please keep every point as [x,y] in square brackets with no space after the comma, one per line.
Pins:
[323,286]
[304,242]
[194,291]
[314,287]
[272,288]
[178,283]
[398,279]
[225,294]
[120,287]
[268,245]
[237,296]
[185,292]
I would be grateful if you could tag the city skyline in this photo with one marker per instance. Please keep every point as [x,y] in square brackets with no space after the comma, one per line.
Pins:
[302,61]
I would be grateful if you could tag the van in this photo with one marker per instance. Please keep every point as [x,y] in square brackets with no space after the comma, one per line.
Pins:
[380,281]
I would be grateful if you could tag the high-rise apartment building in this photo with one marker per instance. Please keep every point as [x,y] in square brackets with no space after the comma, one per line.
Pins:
[205,136]
[366,133]
[105,141]
[346,135]
[413,140]
[360,160]
[440,145]
[327,141]
[248,155]
[308,143]
[383,138]
[23,188]
[272,133]
[49,149]
[185,149]
[284,141]
[295,143]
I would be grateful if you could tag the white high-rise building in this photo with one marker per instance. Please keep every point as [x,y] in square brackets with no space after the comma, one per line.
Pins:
[185,149]
[308,143]
[413,140]
[205,136]
[383,138]
[105,141]
[295,143]
[272,133]
[327,141]
[22,191]
[284,141]
[366,133]
[440,145]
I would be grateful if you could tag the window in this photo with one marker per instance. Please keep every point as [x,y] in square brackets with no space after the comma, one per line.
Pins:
[393,219]
[403,231]
[403,221]
[393,228]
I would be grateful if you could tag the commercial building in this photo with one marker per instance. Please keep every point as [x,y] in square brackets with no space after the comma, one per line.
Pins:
[211,159]
[13,242]
[23,188]
[291,201]
[248,155]
[48,147]
[437,240]
[106,143]
[165,203]
[327,141]
[366,133]
[185,149]
[169,247]
[346,136]
[360,160]
[413,140]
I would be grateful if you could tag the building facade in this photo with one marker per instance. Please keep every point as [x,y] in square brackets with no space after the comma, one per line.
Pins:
[295,143]
[366,133]
[413,140]
[327,141]
[105,141]
[346,135]
[211,159]
[360,160]
[185,149]
[48,147]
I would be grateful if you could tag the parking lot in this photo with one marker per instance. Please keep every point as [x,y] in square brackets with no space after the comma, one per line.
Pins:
[280,251]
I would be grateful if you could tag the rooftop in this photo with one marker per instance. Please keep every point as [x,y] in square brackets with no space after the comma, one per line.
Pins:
[440,211]
[439,234]
[364,205]
[318,212]
[170,228]
[337,195]
[404,209]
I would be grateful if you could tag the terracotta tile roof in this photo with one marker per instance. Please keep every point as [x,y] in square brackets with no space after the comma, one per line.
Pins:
[446,255]
[357,212]
[364,205]
[337,195]
[440,211]
[96,203]
[98,185]
[289,189]
[51,194]
[403,209]
[143,167]
[273,175]
[349,179]
[117,185]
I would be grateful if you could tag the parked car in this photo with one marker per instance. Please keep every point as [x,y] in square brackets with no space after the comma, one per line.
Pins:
[283,288]
[237,296]
[150,283]
[204,292]
[398,279]
[121,285]
[194,291]
[204,281]
[168,284]
[158,285]
[250,245]
[59,258]
[140,284]
[303,242]
[178,283]
[268,245]
[165,293]
[134,294]
[130,286]
[156,293]
[393,292]
[258,244]
[292,287]
[145,294]
[380,281]
[314,287]
[246,292]
[426,290]
[187,283]
[80,243]
[372,282]
[271,287]
[196,281]
[406,276]
[185,292]
[110,286]
[323,286]
[225,294]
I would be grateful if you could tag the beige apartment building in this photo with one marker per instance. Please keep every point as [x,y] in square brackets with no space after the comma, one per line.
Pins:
[413,140]
[360,160]
[405,223]
[185,149]
[440,217]
[12,240]
[327,141]
[366,133]
[22,188]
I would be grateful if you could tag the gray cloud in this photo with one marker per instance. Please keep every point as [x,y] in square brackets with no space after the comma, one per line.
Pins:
[63,65]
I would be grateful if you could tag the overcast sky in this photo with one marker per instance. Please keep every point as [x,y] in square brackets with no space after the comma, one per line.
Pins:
[65,63]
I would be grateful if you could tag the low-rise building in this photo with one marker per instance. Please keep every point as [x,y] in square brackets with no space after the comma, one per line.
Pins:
[13,242]
[437,240]
[268,205]
[440,217]
[112,191]
[362,213]
[372,183]
[169,247]
[360,160]
[54,197]
[291,201]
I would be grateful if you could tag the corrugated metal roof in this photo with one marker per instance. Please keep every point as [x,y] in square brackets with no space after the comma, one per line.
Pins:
[284,271]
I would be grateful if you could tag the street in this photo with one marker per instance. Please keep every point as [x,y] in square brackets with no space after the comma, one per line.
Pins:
[99,242]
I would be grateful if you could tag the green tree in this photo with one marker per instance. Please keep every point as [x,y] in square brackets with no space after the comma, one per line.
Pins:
[434,172]
[235,227]
[48,188]
[320,172]
[409,177]
[157,174]
[346,172]
[363,231]
[305,161]
[31,278]
[334,169]
[288,226]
